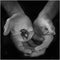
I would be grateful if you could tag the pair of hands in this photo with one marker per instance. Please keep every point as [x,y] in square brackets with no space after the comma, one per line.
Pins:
[18,25]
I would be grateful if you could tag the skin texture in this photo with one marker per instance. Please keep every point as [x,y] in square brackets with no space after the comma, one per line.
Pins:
[21,21]
[50,10]
[16,26]
[12,7]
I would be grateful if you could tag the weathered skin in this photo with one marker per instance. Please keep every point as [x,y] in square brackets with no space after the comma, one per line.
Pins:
[17,22]
[16,26]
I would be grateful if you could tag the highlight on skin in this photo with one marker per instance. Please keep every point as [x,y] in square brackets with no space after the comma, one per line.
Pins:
[32,39]
[26,45]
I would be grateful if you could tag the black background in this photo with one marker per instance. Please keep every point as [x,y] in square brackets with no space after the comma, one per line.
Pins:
[31,9]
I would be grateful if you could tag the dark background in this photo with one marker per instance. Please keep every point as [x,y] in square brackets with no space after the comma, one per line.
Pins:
[31,9]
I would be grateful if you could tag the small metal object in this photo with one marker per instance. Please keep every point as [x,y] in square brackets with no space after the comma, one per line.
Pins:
[24,33]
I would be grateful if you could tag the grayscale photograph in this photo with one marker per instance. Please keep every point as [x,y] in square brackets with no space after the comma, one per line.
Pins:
[23,34]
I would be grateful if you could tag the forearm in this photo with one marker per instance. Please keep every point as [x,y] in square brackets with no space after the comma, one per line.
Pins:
[50,10]
[12,7]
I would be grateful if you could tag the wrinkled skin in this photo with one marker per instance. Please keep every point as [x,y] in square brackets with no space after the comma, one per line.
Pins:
[30,38]
[26,37]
